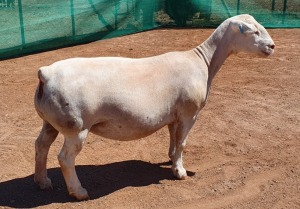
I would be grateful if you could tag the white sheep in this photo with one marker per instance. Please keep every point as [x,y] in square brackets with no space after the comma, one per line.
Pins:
[126,99]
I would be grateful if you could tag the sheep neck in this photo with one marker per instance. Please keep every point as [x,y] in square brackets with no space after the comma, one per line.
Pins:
[215,51]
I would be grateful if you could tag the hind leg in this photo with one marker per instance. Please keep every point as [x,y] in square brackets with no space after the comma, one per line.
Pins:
[42,145]
[182,130]
[71,148]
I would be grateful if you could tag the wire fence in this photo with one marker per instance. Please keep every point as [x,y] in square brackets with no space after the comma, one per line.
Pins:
[28,26]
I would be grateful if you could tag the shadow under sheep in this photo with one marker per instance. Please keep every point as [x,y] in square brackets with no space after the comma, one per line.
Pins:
[99,180]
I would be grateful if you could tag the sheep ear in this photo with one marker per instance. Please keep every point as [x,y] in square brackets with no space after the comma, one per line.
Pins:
[242,27]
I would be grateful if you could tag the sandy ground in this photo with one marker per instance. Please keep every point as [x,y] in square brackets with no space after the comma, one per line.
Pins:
[243,151]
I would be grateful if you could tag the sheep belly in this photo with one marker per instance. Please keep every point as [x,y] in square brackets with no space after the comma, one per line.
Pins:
[125,131]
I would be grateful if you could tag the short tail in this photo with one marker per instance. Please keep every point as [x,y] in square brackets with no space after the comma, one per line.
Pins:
[42,79]
[40,90]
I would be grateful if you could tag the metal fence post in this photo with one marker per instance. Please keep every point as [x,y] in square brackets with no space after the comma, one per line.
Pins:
[21,23]
[238,7]
[72,18]
[284,11]
[273,6]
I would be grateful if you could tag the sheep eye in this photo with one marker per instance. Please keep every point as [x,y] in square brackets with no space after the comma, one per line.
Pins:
[256,32]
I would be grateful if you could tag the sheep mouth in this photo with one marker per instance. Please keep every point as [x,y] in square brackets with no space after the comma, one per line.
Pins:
[267,52]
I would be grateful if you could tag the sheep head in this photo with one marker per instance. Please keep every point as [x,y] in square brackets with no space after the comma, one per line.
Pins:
[250,36]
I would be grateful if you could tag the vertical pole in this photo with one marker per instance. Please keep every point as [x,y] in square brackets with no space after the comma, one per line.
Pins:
[72,18]
[284,11]
[273,6]
[116,14]
[238,7]
[21,23]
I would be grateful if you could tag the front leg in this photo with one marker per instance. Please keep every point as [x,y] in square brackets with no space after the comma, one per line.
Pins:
[172,130]
[182,130]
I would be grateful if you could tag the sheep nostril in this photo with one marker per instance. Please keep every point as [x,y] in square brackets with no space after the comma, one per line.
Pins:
[272,46]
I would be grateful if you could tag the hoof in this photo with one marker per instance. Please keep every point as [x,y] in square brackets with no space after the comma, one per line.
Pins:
[179,173]
[81,195]
[44,184]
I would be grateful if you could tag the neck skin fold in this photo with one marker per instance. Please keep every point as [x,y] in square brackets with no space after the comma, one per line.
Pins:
[215,51]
